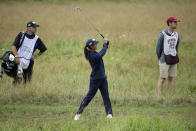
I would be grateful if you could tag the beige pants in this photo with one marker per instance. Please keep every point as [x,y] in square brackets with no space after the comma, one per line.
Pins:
[167,70]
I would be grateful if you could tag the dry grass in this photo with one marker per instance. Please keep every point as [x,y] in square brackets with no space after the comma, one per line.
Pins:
[118,21]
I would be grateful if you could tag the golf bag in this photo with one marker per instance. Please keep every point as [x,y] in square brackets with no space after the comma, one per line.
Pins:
[8,65]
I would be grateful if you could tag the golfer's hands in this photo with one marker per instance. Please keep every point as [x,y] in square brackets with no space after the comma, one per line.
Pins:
[105,41]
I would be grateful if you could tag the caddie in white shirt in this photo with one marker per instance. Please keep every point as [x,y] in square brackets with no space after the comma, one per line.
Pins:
[24,48]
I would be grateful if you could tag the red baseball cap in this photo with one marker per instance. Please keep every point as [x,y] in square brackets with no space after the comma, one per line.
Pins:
[172,19]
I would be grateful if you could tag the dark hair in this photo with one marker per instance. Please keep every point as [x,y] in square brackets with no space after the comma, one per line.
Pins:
[167,23]
[86,52]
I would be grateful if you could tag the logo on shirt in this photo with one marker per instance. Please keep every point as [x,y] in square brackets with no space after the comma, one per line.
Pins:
[171,43]
[26,49]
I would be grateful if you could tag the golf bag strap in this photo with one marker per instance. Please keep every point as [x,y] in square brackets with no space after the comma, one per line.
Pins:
[21,39]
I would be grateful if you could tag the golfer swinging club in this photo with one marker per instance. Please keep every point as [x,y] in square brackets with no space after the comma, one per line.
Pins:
[98,79]
[23,49]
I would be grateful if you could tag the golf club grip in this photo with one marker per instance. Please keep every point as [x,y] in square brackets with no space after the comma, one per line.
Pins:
[102,35]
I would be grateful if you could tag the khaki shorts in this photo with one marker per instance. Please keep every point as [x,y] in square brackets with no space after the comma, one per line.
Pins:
[167,70]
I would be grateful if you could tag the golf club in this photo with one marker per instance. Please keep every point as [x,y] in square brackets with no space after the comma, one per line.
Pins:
[89,21]
[19,57]
[23,58]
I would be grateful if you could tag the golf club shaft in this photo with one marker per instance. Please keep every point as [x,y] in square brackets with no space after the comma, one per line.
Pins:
[89,21]
[23,58]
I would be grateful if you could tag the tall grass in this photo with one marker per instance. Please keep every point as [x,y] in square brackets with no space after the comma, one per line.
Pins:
[124,22]
[62,76]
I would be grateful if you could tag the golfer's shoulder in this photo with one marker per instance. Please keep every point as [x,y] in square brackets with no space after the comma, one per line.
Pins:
[94,54]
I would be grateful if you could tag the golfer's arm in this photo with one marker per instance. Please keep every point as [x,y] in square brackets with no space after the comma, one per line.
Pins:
[103,51]
[14,50]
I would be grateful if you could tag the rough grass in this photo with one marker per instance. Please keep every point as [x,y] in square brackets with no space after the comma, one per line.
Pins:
[61,75]
[132,77]
[55,118]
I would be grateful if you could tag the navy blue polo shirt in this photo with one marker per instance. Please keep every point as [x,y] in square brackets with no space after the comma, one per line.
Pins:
[97,65]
